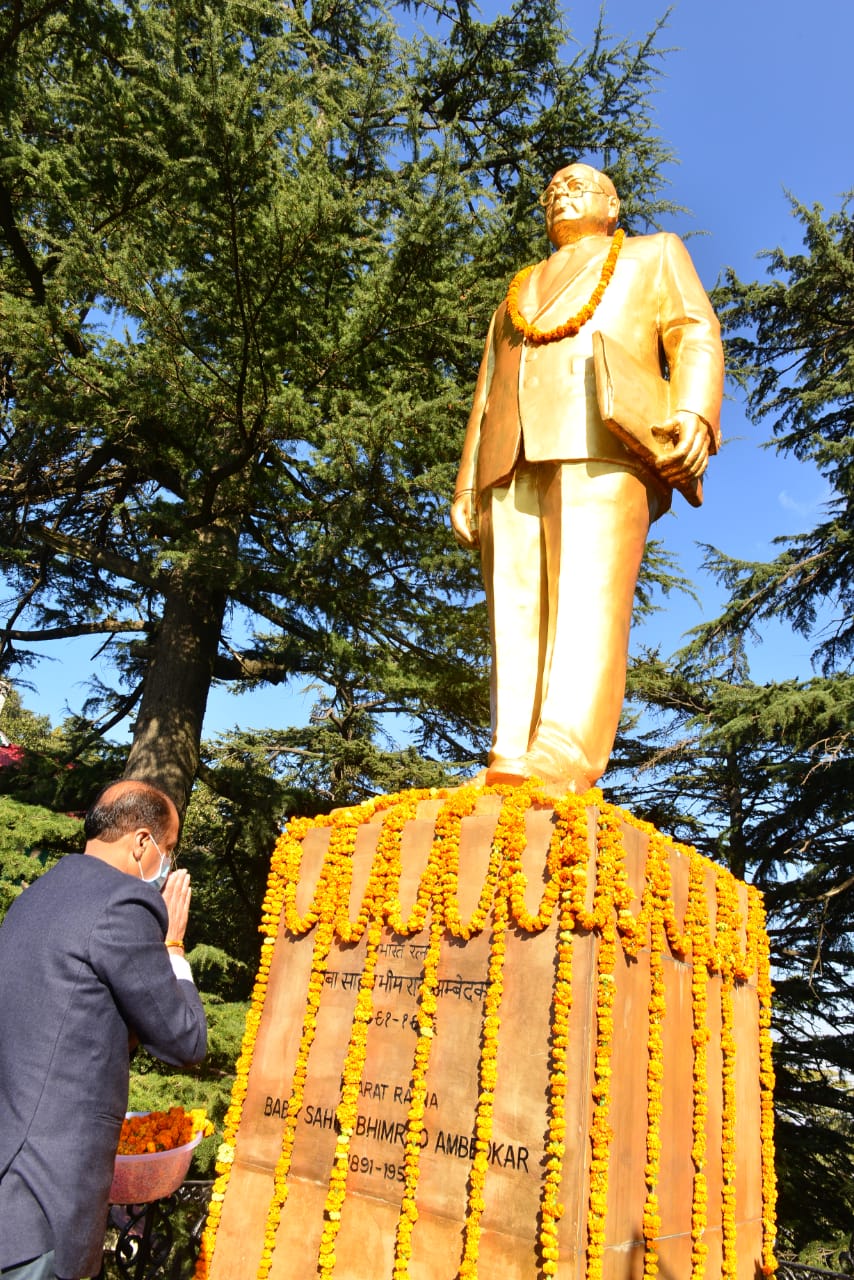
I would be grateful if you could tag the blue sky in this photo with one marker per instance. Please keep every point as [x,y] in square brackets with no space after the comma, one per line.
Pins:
[756,98]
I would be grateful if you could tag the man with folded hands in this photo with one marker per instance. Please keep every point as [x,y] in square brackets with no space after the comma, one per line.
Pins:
[92,958]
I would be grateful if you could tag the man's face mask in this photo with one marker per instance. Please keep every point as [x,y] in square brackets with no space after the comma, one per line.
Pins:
[158,880]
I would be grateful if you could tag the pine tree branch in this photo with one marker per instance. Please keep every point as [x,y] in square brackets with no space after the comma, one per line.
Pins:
[106,626]
[99,557]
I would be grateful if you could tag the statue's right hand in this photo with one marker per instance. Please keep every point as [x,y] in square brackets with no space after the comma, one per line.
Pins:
[464,519]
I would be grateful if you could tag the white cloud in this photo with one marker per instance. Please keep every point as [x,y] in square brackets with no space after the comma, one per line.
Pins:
[801,507]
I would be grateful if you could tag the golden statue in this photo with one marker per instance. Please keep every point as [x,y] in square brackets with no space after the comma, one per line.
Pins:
[559,502]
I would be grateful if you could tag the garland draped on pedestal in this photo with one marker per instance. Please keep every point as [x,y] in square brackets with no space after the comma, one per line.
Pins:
[502,900]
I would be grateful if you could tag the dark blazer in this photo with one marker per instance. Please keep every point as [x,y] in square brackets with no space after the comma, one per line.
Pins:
[82,962]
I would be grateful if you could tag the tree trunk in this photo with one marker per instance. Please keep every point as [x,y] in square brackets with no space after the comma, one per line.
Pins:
[168,728]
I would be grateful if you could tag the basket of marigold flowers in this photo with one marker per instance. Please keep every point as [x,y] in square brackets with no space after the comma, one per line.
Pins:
[155,1150]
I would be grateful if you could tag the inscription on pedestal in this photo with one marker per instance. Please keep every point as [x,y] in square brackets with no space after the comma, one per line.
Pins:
[516,1158]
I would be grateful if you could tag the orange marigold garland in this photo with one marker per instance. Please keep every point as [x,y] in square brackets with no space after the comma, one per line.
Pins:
[567,887]
[507,845]
[697,926]
[658,892]
[756,917]
[351,1076]
[727,929]
[428,1002]
[578,857]
[287,847]
[551,1210]
[610,855]
[570,327]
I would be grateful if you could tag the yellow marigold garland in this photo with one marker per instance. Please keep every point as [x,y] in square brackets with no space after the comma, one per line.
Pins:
[271,909]
[351,1076]
[727,928]
[658,893]
[507,846]
[570,327]
[697,926]
[610,847]
[322,945]
[333,897]
[447,836]
[756,918]
[503,895]
[428,1002]
[281,894]
[551,1209]
[389,851]
[536,922]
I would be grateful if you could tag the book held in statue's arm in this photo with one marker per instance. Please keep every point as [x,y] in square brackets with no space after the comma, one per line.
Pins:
[634,402]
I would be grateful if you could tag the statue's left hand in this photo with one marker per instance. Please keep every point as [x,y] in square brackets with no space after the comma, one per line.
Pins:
[690,455]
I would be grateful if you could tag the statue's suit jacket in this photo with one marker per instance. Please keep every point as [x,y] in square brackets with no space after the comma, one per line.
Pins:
[544,395]
[82,962]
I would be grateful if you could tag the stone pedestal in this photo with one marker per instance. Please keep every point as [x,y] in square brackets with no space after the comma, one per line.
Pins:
[509,1244]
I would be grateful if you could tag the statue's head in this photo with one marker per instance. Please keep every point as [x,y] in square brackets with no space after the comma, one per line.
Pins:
[579,201]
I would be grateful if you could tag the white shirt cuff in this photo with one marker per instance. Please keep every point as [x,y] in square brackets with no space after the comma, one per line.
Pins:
[180,966]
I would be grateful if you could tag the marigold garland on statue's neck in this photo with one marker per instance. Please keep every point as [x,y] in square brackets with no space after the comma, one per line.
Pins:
[603,906]
[570,327]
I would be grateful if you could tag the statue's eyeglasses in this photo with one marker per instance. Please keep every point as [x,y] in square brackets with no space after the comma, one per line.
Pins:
[569,188]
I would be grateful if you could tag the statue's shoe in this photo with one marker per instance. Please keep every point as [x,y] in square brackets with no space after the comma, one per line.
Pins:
[508,770]
[558,771]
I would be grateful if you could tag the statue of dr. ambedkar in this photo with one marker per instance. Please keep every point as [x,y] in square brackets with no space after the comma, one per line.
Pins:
[558,503]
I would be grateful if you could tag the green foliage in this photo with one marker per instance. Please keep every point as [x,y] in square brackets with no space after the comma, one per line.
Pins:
[837,1254]
[793,349]
[215,970]
[247,259]
[760,777]
[659,573]
[32,839]
[156,1087]
[20,726]
[35,832]
[226,842]
[60,769]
